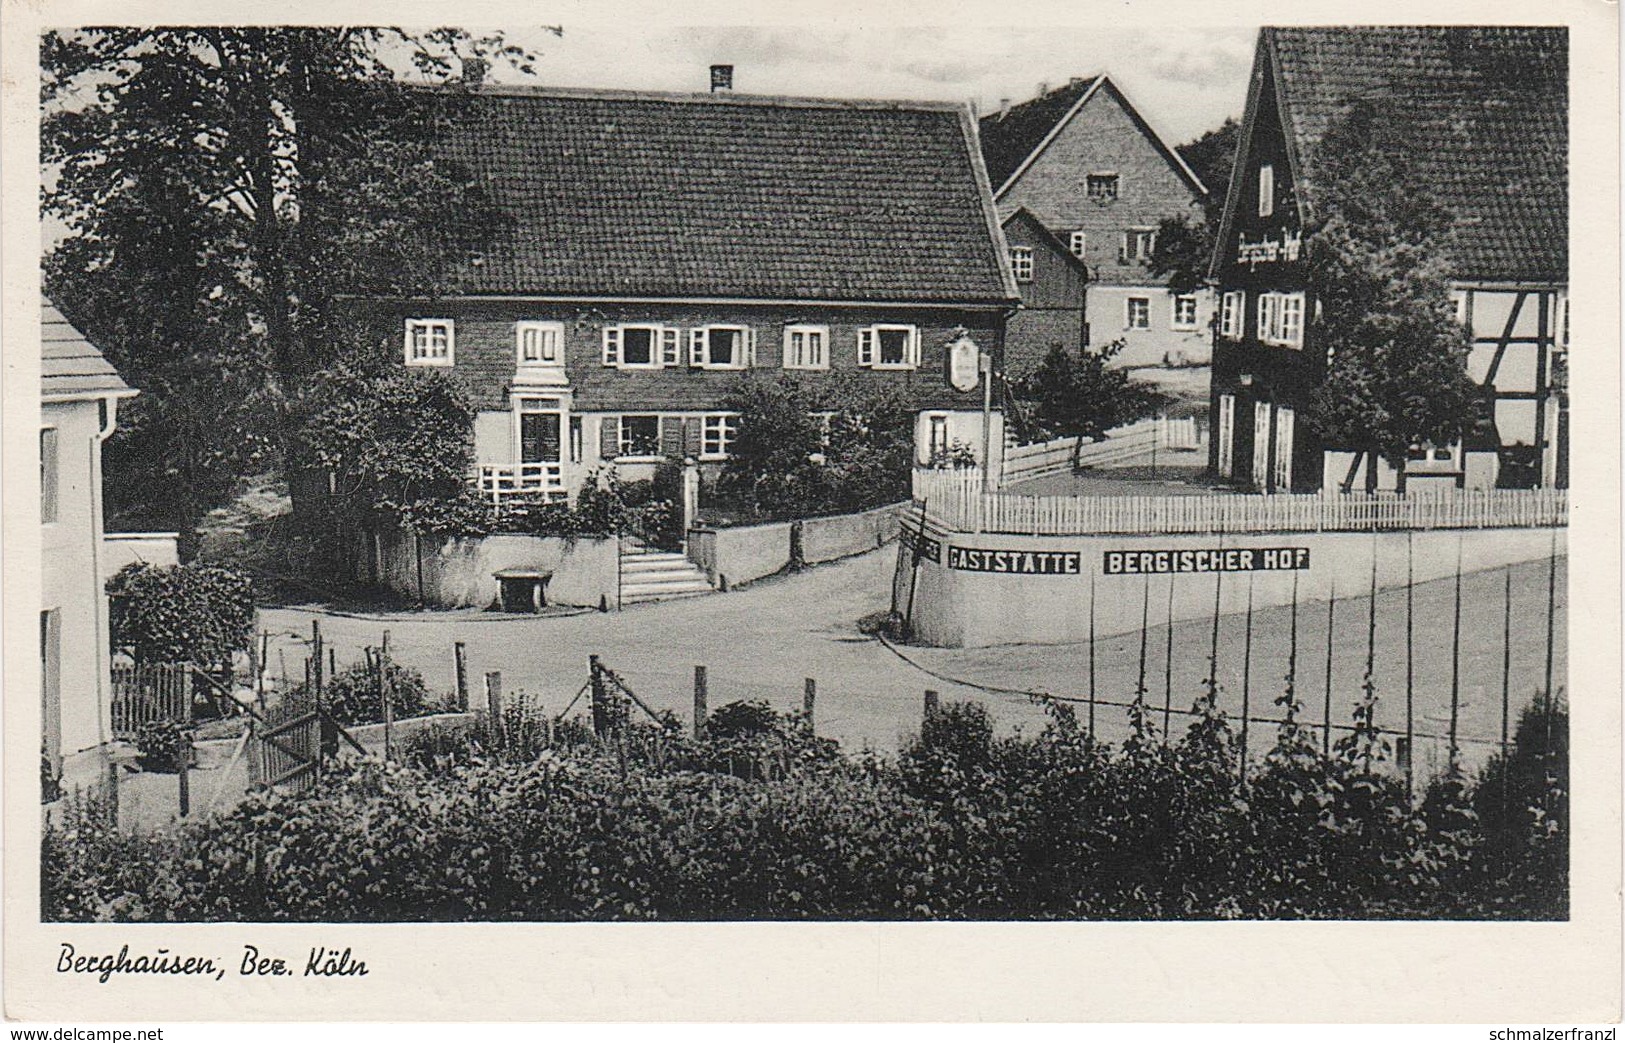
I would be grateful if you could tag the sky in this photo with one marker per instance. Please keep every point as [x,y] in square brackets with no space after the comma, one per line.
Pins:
[1183,80]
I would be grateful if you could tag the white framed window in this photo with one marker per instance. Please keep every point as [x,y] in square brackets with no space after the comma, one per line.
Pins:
[1562,322]
[1137,313]
[1184,312]
[1101,187]
[1227,435]
[937,440]
[1266,190]
[640,346]
[1078,243]
[639,436]
[430,342]
[1021,263]
[1280,319]
[889,346]
[1138,243]
[1232,314]
[1284,427]
[538,343]
[806,347]
[717,434]
[721,347]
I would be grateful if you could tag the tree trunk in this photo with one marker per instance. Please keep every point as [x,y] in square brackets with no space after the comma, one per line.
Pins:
[1371,472]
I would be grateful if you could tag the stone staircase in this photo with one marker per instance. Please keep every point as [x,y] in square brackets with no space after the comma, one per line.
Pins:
[654,575]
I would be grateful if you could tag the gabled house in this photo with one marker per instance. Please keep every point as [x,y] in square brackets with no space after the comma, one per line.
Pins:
[1494,102]
[1089,168]
[661,246]
[1053,283]
[79,395]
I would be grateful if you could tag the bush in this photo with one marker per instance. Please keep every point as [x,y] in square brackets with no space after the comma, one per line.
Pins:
[351,696]
[159,744]
[742,719]
[767,822]
[180,613]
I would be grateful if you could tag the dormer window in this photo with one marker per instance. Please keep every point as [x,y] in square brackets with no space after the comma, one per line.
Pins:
[430,342]
[539,344]
[1101,187]
[1021,263]
[1266,190]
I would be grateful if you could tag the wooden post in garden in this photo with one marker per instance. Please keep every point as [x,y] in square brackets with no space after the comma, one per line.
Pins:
[931,705]
[112,794]
[1506,669]
[183,774]
[1246,684]
[1455,665]
[1091,656]
[699,702]
[809,695]
[1551,611]
[459,658]
[1326,714]
[1168,668]
[493,696]
[316,652]
[601,717]
[386,695]
[1410,665]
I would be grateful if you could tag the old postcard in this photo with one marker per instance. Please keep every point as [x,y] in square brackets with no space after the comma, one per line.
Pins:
[980,513]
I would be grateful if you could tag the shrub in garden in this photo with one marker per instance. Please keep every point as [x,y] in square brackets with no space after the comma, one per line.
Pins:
[159,744]
[170,614]
[743,718]
[351,696]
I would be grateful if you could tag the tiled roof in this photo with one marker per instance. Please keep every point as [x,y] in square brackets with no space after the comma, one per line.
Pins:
[1491,101]
[70,366]
[1009,139]
[617,194]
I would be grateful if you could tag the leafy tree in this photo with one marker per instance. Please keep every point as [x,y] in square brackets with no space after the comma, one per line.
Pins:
[1080,395]
[1377,271]
[1184,247]
[180,613]
[215,189]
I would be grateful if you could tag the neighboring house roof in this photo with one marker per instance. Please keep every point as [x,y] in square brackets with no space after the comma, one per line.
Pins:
[723,196]
[1491,103]
[72,367]
[1055,242]
[1013,139]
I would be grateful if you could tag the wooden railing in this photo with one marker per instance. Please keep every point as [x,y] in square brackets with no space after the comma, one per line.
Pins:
[957,502]
[1130,444]
[505,481]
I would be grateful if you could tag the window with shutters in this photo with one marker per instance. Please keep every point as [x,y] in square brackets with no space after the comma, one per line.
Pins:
[1101,187]
[1280,319]
[1232,312]
[1137,313]
[717,434]
[889,347]
[721,347]
[1184,316]
[806,347]
[48,474]
[1138,243]
[430,342]
[639,436]
[539,344]
[640,346]
[1021,263]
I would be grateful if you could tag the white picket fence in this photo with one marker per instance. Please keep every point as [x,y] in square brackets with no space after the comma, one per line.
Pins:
[956,501]
[1123,446]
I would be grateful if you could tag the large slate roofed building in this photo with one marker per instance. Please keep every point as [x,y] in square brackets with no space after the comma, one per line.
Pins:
[1083,162]
[662,245]
[1492,102]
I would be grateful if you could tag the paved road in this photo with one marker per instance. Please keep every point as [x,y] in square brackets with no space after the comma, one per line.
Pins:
[759,643]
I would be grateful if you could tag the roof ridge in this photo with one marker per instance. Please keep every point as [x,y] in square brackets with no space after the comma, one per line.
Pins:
[530,90]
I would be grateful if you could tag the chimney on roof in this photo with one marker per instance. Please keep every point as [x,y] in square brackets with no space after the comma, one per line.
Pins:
[722,78]
[1004,107]
[1077,81]
[474,71]
[1043,89]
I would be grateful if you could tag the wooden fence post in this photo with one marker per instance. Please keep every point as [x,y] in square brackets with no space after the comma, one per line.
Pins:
[183,763]
[316,652]
[112,794]
[809,696]
[699,702]
[931,704]
[386,694]
[600,698]
[459,656]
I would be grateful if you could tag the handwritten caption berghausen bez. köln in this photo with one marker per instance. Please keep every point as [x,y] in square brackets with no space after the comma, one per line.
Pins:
[320,962]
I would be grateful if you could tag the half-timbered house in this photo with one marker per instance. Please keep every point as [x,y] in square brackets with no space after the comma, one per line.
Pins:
[1493,103]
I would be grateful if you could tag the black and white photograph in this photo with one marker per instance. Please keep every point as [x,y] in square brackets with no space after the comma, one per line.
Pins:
[722,474]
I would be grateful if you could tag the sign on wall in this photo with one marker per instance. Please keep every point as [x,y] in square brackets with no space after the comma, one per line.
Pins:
[1233,559]
[964,363]
[920,544]
[1016,562]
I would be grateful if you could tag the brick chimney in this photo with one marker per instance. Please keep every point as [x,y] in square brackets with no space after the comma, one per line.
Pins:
[722,78]
[1004,107]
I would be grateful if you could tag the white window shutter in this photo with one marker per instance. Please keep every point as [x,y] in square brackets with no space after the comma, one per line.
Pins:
[866,347]
[669,347]
[914,346]
[750,348]
[696,347]
[612,346]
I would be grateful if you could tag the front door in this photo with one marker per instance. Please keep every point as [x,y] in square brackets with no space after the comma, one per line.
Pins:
[539,438]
